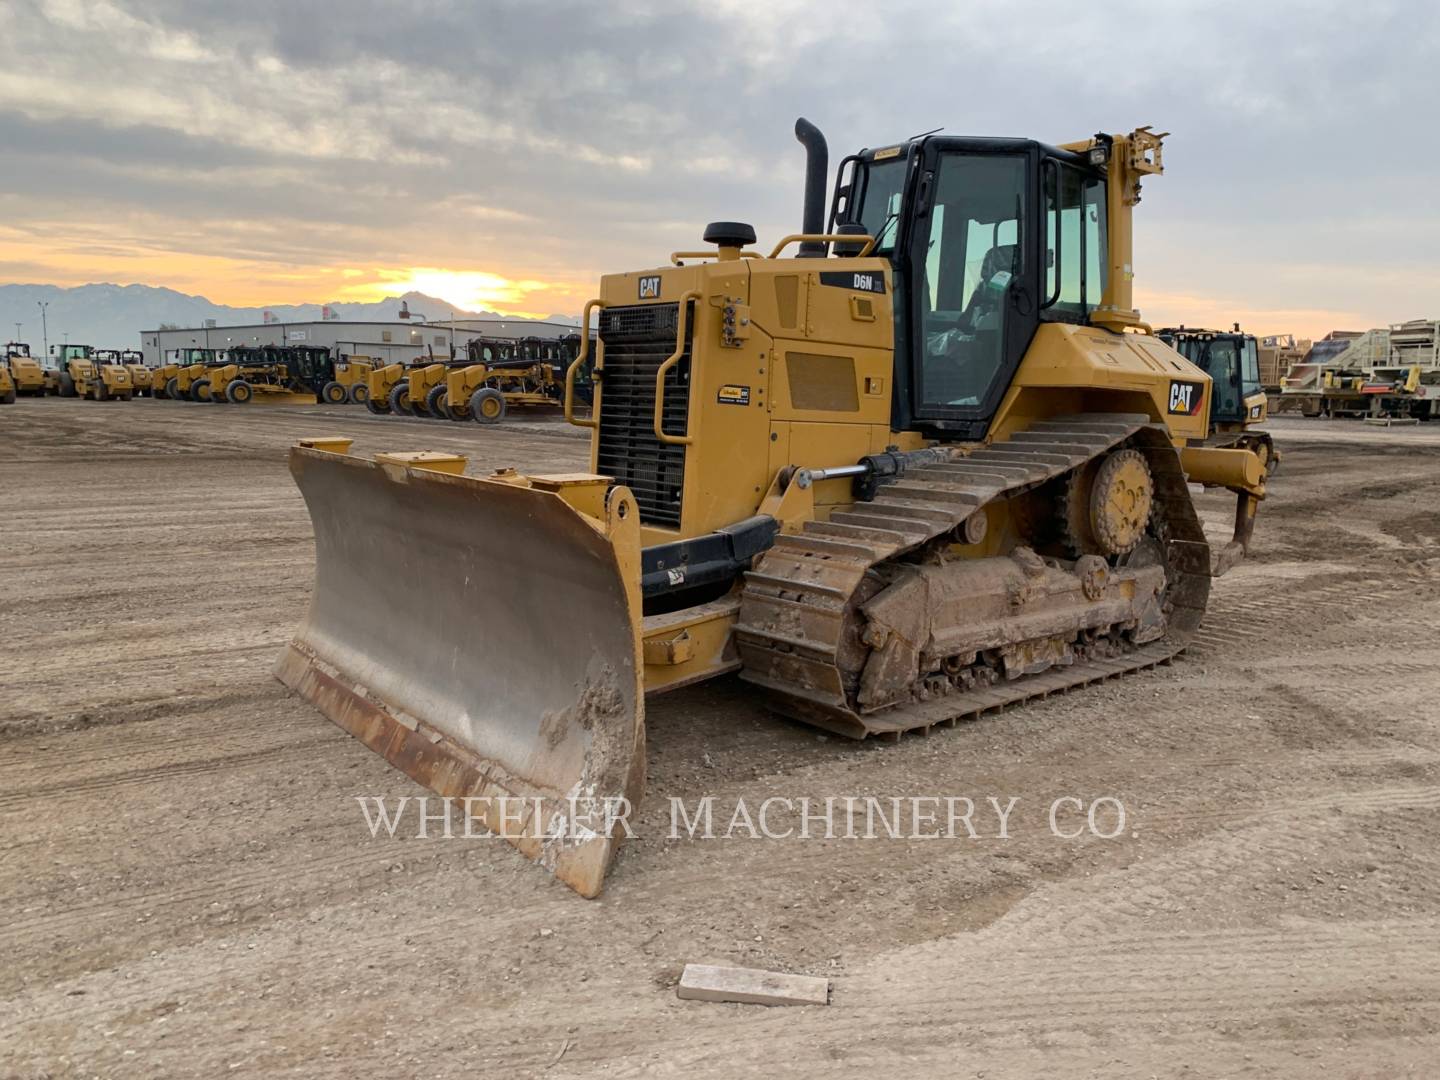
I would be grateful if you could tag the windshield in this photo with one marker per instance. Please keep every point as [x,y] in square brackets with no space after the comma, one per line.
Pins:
[880,188]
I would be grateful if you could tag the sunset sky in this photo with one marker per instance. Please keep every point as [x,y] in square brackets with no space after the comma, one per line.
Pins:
[503,156]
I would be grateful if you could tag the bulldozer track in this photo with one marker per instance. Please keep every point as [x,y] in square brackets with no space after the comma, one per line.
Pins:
[796,601]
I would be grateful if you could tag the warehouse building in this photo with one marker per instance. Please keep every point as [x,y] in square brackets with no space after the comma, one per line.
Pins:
[397,341]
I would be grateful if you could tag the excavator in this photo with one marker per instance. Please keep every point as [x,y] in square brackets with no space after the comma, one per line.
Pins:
[917,462]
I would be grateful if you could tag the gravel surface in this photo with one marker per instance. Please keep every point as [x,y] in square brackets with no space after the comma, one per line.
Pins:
[190,888]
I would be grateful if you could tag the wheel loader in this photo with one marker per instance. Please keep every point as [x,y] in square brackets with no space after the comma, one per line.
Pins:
[78,374]
[25,371]
[916,464]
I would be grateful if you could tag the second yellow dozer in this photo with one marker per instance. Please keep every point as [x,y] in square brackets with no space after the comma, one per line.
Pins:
[918,466]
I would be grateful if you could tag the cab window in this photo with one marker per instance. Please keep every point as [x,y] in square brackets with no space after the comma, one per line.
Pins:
[1076,241]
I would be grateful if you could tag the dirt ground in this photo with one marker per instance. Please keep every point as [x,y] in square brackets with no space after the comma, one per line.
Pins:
[188,886]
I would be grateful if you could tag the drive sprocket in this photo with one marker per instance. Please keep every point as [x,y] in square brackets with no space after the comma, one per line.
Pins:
[1122,496]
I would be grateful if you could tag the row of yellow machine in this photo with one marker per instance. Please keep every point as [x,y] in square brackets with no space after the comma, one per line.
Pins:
[72,371]
[917,462]
[480,382]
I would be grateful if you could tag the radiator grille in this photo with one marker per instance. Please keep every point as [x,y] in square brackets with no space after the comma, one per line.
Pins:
[637,341]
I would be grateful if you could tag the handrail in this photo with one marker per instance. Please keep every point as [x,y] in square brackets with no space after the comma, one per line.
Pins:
[676,256]
[826,238]
[580,359]
[682,322]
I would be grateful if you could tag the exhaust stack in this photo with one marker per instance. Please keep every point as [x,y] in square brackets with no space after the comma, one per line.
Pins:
[817,165]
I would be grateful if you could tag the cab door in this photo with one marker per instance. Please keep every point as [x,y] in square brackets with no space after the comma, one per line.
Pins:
[973,263]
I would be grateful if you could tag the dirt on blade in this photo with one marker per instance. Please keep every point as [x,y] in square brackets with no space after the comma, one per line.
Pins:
[191,888]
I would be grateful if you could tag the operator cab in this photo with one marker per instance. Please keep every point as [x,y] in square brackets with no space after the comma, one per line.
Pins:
[62,355]
[988,239]
[1232,360]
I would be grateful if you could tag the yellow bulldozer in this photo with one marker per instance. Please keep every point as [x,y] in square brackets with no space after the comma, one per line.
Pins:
[1239,405]
[78,373]
[26,374]
[918,464]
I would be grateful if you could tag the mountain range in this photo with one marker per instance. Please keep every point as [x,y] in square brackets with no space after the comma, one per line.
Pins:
[112,316]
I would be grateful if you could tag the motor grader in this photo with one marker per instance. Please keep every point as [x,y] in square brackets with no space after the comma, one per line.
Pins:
[404,388]
[79,374]
[919,464]
[505,372]
[176,379]
[26,374]
[351,374]
[275,373]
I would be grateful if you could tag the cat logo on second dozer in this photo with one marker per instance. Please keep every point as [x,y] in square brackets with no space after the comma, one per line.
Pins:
[1185,398]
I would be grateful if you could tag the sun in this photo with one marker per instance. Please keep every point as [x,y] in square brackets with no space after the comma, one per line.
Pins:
[470,290]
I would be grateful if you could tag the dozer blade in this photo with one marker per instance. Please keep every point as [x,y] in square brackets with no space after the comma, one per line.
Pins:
[482,635]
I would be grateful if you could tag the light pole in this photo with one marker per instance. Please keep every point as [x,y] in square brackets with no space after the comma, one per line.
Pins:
[17,330]
[44,326]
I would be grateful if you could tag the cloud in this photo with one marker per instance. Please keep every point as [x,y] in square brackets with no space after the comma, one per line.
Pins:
[552,142]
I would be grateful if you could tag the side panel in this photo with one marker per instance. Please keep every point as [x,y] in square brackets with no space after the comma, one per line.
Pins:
[780,355]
